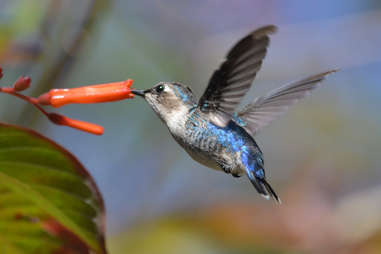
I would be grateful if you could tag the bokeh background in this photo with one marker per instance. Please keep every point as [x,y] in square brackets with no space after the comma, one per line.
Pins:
[323,157]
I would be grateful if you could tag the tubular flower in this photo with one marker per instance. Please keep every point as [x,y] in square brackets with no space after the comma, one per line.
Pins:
[76,124]
[88,94]
[58,97]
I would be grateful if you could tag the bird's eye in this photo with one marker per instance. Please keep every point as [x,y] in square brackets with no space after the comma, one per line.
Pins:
[159,88]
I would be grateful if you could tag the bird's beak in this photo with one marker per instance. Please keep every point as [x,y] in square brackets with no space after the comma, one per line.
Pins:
[139,92]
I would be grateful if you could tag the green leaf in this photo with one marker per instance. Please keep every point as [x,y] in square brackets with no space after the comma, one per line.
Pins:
[48,201]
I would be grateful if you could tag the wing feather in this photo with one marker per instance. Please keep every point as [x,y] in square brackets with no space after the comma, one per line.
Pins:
[265,109]
[233,79]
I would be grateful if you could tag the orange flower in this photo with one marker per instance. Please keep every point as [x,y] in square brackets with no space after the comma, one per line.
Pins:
[88,94]
[77,124]
[59,97]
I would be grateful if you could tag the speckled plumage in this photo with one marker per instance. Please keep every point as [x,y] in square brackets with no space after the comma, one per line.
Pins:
[223,145]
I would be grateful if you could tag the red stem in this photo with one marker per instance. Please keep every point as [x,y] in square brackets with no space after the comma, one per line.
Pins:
[31,100]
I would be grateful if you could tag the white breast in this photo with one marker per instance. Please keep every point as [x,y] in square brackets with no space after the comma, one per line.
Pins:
[176,121]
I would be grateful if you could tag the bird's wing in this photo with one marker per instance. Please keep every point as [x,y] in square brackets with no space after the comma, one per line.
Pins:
[264,109]
[233,79]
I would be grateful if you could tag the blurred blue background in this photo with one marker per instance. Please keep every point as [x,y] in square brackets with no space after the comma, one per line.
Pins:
[322,157]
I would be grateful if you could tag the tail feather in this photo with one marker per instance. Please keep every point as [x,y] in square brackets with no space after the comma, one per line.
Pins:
[256,173]
[263,187]
[259,187]
[271,191]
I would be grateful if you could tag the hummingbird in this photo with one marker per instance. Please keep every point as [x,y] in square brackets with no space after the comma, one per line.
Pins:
[212,130]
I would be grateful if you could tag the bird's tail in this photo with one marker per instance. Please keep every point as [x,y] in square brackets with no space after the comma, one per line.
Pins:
[256,174]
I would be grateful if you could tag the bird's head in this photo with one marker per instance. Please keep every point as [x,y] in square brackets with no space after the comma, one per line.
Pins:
[167,99]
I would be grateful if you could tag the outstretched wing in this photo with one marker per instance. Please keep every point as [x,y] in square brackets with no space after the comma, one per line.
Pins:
[264,109]
[234,77]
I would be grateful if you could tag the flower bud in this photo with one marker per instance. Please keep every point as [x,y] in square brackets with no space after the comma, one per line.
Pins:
[22,83]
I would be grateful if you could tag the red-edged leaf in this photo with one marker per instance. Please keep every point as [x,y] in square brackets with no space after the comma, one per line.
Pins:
[48,201]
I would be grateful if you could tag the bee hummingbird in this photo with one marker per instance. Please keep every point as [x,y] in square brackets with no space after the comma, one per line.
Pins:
[211,130]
